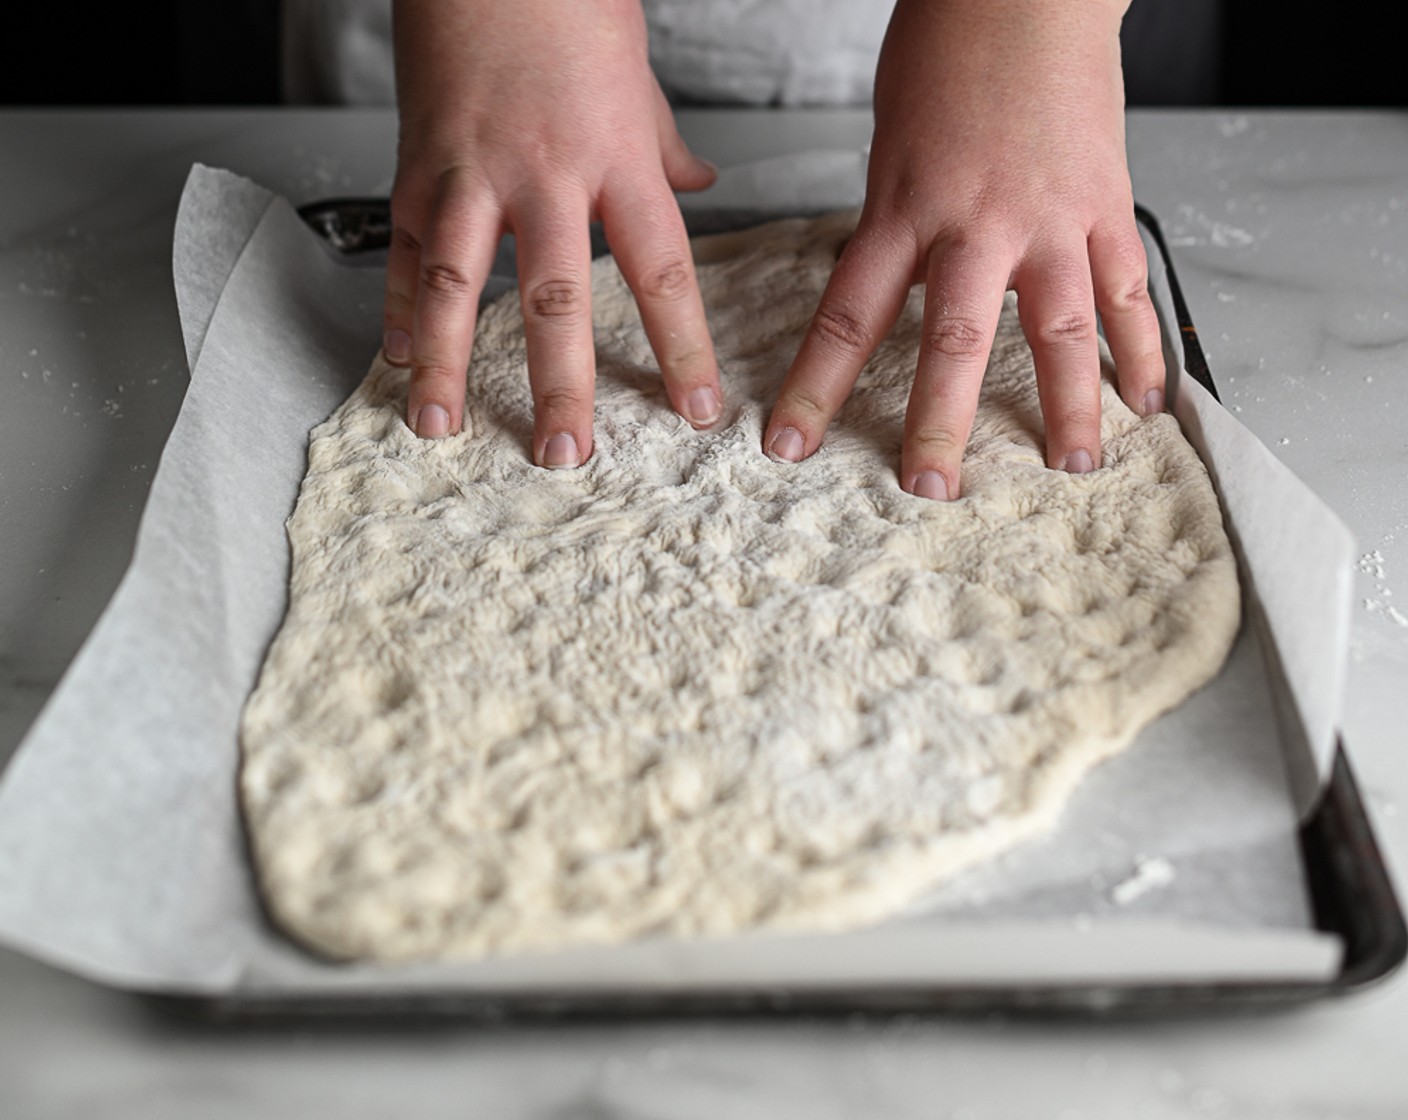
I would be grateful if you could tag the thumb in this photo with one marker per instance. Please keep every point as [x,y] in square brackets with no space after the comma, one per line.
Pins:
[684,170]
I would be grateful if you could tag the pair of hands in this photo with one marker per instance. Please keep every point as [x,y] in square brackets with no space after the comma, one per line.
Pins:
[998,162]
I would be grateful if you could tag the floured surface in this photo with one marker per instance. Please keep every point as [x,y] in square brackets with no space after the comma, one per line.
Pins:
[688,690]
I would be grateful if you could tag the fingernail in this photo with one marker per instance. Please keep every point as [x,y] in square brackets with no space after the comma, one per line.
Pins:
[1078,462]
[1153,402]
[787,446]
[396,345]
[702,406]
[560,452]
[432,422]
[931,484]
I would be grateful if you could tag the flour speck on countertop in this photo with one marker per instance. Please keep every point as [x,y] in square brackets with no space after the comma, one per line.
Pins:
[1371,564]
[1150,873]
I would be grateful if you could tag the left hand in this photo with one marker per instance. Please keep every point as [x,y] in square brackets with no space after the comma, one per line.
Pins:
[998,162]
[537,117]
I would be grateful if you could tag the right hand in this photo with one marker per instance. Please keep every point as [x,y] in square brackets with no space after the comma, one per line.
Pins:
[998,162]
[537,117]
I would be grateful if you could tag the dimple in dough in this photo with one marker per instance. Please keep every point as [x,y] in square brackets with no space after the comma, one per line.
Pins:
[685,690]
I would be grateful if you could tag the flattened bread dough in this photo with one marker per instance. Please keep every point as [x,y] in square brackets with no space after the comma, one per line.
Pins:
[684,689]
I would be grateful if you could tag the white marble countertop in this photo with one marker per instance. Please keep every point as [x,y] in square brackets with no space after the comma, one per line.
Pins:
[1290,233]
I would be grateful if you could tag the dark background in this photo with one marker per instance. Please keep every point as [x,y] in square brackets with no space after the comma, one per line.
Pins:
[225,52]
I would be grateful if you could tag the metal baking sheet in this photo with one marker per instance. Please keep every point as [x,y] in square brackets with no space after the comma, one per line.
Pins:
[121,855]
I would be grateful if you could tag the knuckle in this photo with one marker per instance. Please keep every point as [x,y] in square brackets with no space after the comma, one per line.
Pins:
[1121,246]
[687,361]
[1147,360]
[409,197]
[802,400]
[1078,418]
[398,306]
[668,281]
[840,328]
[556,300]
[1067,328]
[561,400]
[1135,381]
[540,155]
[1152,360]
[444,280]
[1131,296]
[435,372]
[403,240]
[1121,269]
[956,337]
[936,443]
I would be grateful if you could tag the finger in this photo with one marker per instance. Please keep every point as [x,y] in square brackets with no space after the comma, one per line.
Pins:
[455,259]
[862,300]
[554,282]
[1120,271]
[963,296]
[408,222]
[1057,308]
[684,170]
[648,239]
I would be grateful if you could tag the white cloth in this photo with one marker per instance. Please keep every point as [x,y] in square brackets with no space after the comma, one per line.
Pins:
[767,52]
[754,52]
[337,52]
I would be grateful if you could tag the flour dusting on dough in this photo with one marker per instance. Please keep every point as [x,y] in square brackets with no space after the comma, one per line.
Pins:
[684,689]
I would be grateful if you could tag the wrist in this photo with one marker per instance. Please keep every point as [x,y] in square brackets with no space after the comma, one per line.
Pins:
[1088,16]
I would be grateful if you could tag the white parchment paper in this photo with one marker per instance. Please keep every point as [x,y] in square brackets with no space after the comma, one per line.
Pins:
[121,850]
